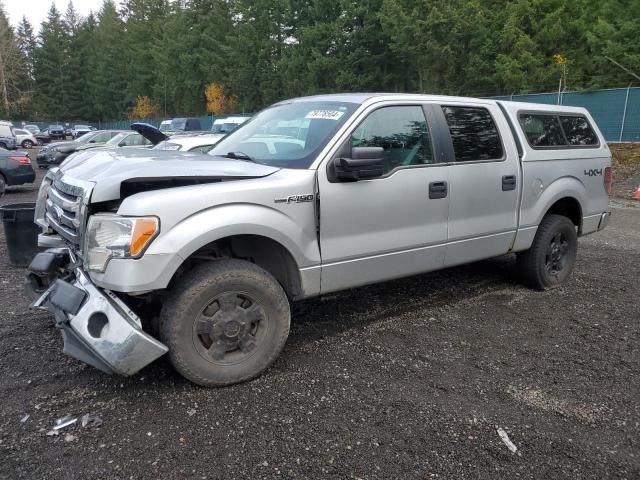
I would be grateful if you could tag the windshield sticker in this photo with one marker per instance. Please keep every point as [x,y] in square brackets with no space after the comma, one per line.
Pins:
[325,114]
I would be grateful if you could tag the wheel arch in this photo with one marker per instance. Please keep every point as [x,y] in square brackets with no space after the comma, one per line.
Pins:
[261,250]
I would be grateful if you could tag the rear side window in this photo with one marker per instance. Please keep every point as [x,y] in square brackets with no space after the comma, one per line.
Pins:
[557,131]
[578,131]
[542,130]
[474,134]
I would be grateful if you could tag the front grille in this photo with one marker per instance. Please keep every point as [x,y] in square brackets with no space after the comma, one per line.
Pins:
[65,208]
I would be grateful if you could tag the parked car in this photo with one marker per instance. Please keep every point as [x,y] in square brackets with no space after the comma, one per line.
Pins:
[201,142]
[228,124]
[185,142]
[34,129]
[8,139]
[68,131]
[209,250]
[15,169]
[56,132]
[79,130]
[55,153]
[25,138]
[43,137]
[185,125]
[165,126]
[125,139]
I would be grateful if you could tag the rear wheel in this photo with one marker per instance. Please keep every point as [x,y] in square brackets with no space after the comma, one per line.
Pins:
[225,322]
[27,144]
[552,256]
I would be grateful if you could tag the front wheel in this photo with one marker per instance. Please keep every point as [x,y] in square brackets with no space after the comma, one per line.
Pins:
[27,144]
[552,256]
[225,322]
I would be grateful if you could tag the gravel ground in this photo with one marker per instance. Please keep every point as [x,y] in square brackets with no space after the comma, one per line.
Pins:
[407,379]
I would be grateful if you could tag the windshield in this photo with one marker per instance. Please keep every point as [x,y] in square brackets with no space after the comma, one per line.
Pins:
[288,135]
[165,127]
[117,139]
[178,123]
[86,137]
[55,127]
[81,127]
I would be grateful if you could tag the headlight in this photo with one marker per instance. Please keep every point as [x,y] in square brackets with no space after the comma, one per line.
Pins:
[112,236]
[41,200]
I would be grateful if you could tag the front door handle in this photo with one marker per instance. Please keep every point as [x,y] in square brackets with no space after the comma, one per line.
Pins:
[438,190]
[508,183]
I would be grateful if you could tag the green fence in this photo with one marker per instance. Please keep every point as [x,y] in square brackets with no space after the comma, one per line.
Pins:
[615,110]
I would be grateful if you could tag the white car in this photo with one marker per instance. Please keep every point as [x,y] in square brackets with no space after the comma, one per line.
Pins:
[190,143]
[25,138]
[228,124]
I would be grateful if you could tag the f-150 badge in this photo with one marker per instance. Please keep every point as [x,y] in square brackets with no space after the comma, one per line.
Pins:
[308,197]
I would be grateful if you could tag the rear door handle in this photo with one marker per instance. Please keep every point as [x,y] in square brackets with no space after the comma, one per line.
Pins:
[508,183]
[438,190]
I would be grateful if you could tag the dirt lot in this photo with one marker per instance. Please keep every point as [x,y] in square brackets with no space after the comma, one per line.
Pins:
[407,379]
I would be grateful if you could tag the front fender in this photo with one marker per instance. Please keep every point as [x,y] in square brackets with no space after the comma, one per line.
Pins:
[212,224]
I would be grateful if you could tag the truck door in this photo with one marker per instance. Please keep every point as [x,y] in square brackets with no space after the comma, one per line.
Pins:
[484,179]
[391,226]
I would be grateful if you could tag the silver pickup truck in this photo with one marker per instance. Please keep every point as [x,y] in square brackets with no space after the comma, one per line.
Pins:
[200,255]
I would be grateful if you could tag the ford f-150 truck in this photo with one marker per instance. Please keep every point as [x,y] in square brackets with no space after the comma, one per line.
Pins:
[199,256]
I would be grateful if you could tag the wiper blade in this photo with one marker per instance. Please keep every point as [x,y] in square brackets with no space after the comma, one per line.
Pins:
[240,156]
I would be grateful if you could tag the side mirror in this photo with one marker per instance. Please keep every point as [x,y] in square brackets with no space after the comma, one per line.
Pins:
[365,162]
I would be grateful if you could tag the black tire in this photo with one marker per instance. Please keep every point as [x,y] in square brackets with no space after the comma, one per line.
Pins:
[552,256]
[3,145]
[27,144]
[3,185]
[225,322]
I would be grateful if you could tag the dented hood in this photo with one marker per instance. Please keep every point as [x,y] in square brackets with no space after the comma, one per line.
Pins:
[133,170]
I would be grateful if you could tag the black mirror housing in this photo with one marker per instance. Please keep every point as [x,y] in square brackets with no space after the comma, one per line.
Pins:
[365,163]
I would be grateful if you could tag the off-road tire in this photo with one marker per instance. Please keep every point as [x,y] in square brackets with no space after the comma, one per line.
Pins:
[195,290]
[533,264]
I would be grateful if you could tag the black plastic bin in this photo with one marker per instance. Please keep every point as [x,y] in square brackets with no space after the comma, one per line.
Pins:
[20,233]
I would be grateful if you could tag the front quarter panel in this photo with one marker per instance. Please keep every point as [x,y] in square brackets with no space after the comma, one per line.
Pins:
[194,216]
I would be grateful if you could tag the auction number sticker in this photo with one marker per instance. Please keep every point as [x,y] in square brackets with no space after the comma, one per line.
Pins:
[325,114]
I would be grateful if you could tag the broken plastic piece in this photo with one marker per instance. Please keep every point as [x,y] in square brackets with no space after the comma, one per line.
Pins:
[64,422]
[25,418]
[89,420]
[507,441]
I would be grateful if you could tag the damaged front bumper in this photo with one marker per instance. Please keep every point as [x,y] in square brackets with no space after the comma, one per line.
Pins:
[98,328]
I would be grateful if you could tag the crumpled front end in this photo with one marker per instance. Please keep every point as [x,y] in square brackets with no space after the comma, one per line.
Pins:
[98,327]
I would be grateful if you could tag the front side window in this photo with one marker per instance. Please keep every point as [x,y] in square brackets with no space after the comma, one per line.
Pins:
[401,131]
[164,145]
[289,135]
[474,134]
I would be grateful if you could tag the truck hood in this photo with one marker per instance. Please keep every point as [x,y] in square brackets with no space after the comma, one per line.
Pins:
[119,173]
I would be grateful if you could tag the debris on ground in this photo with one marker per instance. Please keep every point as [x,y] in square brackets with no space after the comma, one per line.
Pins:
[507,441]
[25,418]
[90,420]
[64,422]
[70,438]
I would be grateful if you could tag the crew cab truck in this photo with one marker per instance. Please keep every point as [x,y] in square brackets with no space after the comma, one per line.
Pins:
[200,255]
